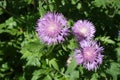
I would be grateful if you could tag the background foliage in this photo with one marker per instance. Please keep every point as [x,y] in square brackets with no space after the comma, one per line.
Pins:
[24,57]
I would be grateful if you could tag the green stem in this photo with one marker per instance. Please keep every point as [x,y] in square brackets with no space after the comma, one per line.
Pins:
[50,49]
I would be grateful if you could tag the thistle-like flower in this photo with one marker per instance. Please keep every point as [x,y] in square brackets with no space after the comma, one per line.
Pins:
[89,55]
[83,30]
[52,28]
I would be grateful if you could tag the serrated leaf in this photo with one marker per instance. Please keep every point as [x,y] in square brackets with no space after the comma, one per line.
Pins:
[10,23]
[32,52]
[33,61]
[114,70]
[36,74]
[41,8]
[53,63]
[106,40]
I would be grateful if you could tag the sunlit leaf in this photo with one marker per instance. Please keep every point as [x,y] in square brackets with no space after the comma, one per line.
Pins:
[53,63]
[114,70]
[71,67]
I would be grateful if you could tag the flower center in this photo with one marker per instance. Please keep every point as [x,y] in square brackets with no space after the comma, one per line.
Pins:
[89,54]
[83,30]
[52,27]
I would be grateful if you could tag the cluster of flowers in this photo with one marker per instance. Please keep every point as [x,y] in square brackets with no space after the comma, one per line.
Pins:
[53,29]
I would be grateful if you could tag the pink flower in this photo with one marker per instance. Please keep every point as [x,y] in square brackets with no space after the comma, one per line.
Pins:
[52,28]
[83,30]
[89,55]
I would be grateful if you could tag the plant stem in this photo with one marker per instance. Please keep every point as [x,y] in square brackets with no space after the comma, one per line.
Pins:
[50,50]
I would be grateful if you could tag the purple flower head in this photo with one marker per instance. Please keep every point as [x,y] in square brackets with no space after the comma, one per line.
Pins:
[52,28]
[89,55]
[83,30]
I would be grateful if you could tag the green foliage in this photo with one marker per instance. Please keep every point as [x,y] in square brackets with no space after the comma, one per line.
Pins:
[32,51]
[71,67]
[108,4]
[73,74]
[53,63]
[118,52]
[24,57]
[106,40]
[9,26]
[3,4]
[114,70]
[94,76]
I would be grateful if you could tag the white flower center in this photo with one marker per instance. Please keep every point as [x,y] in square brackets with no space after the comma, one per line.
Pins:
[83,30]
[89,54]
[52,27]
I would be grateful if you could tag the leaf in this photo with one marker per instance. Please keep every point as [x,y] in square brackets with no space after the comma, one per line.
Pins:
[53,63]
[29,1]
[21,78]
[64,47]
[65,78]
[3,4]
[100,3]
[48,77]
[33,61]
[8,26]
[74,2]
[71,67]
[63,2]
[118,51]
[32,51]
[74,75]
[105,39]
[94,76]
[4,67]
[81,69]
[114,70]
[72,44]
[41,8]
[10,23]
[103,74]
[38,74]
[51,6]
[3,25]
[79,6]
